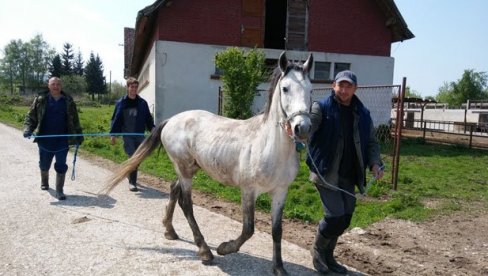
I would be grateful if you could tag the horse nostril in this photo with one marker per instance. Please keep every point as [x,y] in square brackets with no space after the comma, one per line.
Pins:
[297,130]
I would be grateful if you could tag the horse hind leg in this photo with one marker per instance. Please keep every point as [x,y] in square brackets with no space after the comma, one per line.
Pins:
[186,205]
[248,207]
[174,195]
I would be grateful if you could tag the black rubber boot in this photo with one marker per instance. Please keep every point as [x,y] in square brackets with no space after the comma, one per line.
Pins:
[133,181]
[59,186]
[332,264]
[318,253]
[44,180]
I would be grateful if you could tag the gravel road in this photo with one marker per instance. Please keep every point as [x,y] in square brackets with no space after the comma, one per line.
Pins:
[120,234]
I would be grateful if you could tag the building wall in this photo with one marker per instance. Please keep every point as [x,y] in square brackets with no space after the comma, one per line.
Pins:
[148,81]
[214,22]
[446,115]
[353,26]
[182,76]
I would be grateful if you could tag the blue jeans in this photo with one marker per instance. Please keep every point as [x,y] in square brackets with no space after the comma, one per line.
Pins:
[46,158]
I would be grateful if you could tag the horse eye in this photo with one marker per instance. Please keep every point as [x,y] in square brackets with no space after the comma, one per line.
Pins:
[285,89]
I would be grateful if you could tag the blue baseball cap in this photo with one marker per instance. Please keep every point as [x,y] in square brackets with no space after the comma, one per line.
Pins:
[348,76]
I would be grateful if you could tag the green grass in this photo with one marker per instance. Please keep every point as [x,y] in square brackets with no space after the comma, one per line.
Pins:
[451,177]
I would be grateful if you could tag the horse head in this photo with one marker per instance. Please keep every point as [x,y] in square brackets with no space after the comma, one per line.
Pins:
[295,91]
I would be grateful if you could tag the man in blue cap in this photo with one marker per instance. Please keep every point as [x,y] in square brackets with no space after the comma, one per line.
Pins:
[342,146]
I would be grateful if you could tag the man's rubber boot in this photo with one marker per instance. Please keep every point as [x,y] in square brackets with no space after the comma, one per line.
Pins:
[318,253]
[59,186]
[44,180]
[133,181]
[332,264]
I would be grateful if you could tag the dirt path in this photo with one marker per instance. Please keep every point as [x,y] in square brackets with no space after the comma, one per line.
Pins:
[120,234]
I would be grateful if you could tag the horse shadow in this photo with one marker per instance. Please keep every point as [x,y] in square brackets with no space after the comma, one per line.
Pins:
[233,264]
[239,263]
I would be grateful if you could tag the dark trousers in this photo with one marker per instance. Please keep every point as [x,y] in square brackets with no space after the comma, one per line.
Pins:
[46,158]
[131,143]
[338,209]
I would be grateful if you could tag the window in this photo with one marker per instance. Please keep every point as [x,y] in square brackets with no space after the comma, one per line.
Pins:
[322,71]
[338,67]
[218,71]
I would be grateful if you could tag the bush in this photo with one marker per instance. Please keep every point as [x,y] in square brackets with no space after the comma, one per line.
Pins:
[16,100]
[242,73]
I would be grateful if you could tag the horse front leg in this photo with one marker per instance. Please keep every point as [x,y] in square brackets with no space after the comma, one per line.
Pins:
[277,230]
[174,195]
[248,199]
[186,205]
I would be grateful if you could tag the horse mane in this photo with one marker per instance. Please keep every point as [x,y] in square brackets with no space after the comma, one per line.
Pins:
[273,79]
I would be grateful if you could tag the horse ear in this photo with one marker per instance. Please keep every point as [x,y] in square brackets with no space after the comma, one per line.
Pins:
[283,61]
[307,66]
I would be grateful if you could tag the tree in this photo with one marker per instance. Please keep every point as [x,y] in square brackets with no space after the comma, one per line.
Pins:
[242,73]
[94,76]
[10,64]
[26,63]
[74,84]
[409,93]
[41,55]
[67,60]
[55,67]
[445,95]
[78,64]
[471,86]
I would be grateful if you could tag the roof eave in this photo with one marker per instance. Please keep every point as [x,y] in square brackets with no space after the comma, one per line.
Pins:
[395,21]
[145,22]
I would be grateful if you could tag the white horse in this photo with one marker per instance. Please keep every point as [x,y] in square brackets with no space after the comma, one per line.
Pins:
[258,155]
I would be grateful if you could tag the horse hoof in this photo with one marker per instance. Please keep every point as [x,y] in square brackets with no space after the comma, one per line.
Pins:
[226,248]
[280,271]
[171,235]
[206,256]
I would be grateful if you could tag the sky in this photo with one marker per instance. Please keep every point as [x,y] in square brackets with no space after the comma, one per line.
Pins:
[450,35]
[89,25]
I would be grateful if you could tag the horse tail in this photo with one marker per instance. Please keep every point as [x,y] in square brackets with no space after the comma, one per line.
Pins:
[149,144]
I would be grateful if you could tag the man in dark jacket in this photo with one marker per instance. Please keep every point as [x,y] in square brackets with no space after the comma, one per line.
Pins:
[131,115]
[342,146]
[53,112]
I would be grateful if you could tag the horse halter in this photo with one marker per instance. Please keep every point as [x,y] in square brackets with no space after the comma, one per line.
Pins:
[286,123]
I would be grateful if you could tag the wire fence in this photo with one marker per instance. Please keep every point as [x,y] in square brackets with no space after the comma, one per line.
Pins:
[378,99]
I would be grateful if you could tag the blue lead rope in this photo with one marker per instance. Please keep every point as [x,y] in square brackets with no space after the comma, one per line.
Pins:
[73,174]
[88,134]
[77,146]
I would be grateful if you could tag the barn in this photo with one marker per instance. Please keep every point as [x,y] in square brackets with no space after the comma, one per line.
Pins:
[172,48]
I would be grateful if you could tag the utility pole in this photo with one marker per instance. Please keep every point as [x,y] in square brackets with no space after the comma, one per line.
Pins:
[110,82]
